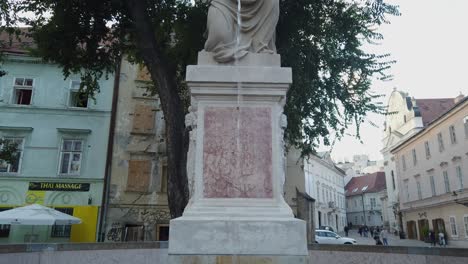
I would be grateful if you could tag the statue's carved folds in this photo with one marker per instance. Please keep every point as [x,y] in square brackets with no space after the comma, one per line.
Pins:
[257,31]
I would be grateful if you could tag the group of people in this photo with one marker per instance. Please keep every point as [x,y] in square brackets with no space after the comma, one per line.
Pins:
[380,235]
[440,236]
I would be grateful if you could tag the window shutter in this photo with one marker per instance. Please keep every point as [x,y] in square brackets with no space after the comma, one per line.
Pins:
[143,119]
[139,172]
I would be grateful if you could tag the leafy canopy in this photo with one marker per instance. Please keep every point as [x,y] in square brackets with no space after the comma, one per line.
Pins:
[322,40]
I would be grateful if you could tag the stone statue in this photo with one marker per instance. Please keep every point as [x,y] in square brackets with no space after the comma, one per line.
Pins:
[191,124]
[257,30]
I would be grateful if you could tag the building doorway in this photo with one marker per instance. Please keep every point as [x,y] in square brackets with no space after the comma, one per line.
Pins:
[411,229]
[162,232]
[438,225]
[423,227]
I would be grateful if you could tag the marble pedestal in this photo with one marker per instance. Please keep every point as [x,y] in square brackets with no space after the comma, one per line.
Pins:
[235,164]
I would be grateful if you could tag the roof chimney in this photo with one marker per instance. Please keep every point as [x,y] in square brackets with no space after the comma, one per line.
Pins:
[459,98]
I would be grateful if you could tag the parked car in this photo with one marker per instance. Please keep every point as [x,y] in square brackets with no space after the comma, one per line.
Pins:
[323,236]
[329,228]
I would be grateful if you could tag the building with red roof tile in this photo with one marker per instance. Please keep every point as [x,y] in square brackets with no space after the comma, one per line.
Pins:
[432,167]
[364,199]
[406,117]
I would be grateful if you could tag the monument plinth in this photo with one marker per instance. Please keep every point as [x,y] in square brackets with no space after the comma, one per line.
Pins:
[236,161]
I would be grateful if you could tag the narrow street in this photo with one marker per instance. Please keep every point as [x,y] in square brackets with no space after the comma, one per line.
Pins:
[392,240]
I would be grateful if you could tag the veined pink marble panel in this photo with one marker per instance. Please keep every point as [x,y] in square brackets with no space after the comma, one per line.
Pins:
[237,152]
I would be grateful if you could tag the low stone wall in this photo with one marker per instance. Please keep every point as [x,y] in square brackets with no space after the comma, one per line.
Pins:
[156,253]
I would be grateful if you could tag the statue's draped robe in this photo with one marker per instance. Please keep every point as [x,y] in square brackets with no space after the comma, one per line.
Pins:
[257,32]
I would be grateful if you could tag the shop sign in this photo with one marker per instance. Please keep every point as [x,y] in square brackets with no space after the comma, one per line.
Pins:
[59,186]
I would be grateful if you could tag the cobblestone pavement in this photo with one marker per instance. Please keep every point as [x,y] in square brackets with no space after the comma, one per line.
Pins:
[392,240]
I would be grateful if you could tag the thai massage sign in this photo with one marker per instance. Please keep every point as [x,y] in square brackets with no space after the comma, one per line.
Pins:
[59,186]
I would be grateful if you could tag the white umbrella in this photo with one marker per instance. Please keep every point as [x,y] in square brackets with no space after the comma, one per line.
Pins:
[36,215]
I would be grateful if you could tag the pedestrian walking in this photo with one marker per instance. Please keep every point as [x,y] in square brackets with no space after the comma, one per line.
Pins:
[372,231]
[442,242]
[360,231]
[384,236]
[378,242]
[346,230]
[432,238]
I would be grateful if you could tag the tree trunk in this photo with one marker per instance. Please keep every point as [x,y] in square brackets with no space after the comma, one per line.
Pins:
[163,77]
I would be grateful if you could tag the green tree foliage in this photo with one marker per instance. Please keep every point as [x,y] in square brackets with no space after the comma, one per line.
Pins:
[8,151]
[8,29]
[322,40]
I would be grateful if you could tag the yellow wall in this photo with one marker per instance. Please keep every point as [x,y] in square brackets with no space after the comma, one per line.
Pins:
[86,231]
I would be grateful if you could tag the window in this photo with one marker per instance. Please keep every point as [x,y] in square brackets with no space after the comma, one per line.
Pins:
[134,233]
[460,177]
[22,91]
[355,220]
[418,186]
[355,203]
[446,182]
[393,180]
[465,122]
[372,202]
[441,142]
[453,226]
[139,175]
[403,160]
[465,220]
[453,135]
[368,218]
[415,160]
[77,97]
[144,119]
[5,229]
[62,230]
[318,192]
[70,156]
[431,178]
[428,150]
[13,167]
[407,190]
[163,232]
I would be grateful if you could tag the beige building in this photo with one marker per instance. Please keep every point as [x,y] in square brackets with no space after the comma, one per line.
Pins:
[432,169]
[407,116]
[137,208]
[318,178]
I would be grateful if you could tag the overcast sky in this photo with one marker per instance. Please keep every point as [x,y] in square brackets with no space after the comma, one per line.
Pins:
[430,43]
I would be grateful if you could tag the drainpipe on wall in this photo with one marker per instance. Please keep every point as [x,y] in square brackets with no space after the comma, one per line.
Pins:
[110,149]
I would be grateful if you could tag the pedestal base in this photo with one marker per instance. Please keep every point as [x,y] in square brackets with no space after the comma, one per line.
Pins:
[228,259]
[268,237]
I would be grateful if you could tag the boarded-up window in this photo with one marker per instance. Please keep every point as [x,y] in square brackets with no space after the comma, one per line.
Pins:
[143,119]
[143,74]
[139,173]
